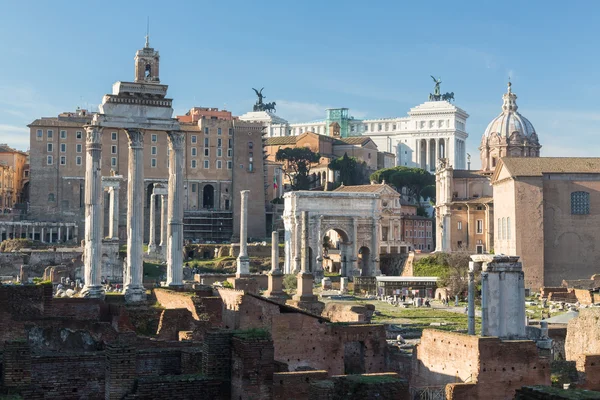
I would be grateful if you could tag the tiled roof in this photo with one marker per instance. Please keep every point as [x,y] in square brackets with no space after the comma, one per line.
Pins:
[362,188]
[537,166]
[280,141]
[56,122]
[355,140]
[465,173]
[7,149]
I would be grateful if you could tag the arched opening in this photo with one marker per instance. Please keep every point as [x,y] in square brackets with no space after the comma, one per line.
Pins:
[336,252]
[25,193]
[364,254]
[208,197]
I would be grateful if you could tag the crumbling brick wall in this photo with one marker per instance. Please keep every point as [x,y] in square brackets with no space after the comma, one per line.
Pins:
[386,386]
[583,334]
[295,385]
[252,367]
[588,369]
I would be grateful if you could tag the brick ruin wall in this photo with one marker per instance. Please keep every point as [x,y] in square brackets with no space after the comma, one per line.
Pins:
[497,367]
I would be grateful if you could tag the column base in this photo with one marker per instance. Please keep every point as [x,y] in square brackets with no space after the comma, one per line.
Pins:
[152,249]
[246,284]
[93,292]
[175,286]
[135,294]
[243,266]
[275,291]
[304,292]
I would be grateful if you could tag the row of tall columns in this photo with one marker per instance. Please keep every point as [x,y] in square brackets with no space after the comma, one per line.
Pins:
[275,285]
[423,146]
[304,292]
[133,274]
[19,230]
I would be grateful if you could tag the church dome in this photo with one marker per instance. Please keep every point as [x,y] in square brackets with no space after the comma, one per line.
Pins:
[510,126]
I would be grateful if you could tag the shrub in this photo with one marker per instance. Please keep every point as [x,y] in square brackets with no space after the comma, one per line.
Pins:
[290,282]
[227,285]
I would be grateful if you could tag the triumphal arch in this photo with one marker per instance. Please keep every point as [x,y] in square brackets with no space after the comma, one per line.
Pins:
[363,217]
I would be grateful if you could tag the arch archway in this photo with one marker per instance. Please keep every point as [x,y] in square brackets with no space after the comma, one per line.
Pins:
[208,197]
[364,255]
[336,251]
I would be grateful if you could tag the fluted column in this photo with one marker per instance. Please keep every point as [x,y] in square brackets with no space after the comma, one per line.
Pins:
[152,232]
[175,210]
[163,223]
[471,300]
[93,213]
[243,261]
[114,213]
[134,288]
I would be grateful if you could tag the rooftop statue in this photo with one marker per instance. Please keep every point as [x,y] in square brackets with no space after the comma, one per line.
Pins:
[436,90]
[437,94]
[259,105]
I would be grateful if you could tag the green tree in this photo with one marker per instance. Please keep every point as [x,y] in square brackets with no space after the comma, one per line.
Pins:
[352,170]
[416,182]
[297,162]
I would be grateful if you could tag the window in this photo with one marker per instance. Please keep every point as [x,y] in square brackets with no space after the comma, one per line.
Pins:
[113,136]
[229,164]
[193,188]
[63,147]
[218,131]
[206,142]
[508,228]
[78,148]
[503,228]
[580,203]
[250,167]
[113,149]
[459,225]
[194,152]
[50,196]
[459,243]
[369,156]
[153,162]
[153,150]
[250,145]
[78,160]
[219,152]
[49,147]
[49,160]
[40,134]
[50,134]
[379,127]
[219,142]
[479,226]
[154,138]
[219,165]
[230,131]
[193,163]
[206,152]
[194,139]
[63,134]
[206,131]
[230,143]
[229,152]
[206,166]
[63,160]
[78,135]
[113,161]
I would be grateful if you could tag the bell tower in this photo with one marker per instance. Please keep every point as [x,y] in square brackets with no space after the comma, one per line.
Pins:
[147,63]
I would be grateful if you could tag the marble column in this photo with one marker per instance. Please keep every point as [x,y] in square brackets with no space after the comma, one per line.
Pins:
[297,244]
[66,239]
[50,236]
[113,221]
[59,238]
[484,303]
[243,261]
[471,299]
[93,214]
[152,231]
[275,284]
[304,292]
[42,238]
[134,288]
[33,233]
[163,224]
[375,251]
[175,210]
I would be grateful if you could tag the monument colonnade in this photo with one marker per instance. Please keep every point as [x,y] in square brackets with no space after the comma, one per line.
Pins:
[134,273]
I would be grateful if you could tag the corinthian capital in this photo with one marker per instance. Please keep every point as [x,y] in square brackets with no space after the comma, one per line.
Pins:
[93,134]
[136,137]
[176,140]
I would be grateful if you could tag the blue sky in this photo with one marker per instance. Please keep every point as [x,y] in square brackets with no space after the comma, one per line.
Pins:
[374,57]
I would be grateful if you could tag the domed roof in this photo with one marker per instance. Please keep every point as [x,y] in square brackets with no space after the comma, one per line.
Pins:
[510,123]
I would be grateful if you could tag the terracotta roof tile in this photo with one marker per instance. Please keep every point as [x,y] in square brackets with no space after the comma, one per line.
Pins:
[537,166]
[56,122]
[362,188]
[280,141]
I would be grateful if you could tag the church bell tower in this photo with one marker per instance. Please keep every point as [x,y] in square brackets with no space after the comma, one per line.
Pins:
[147,62]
